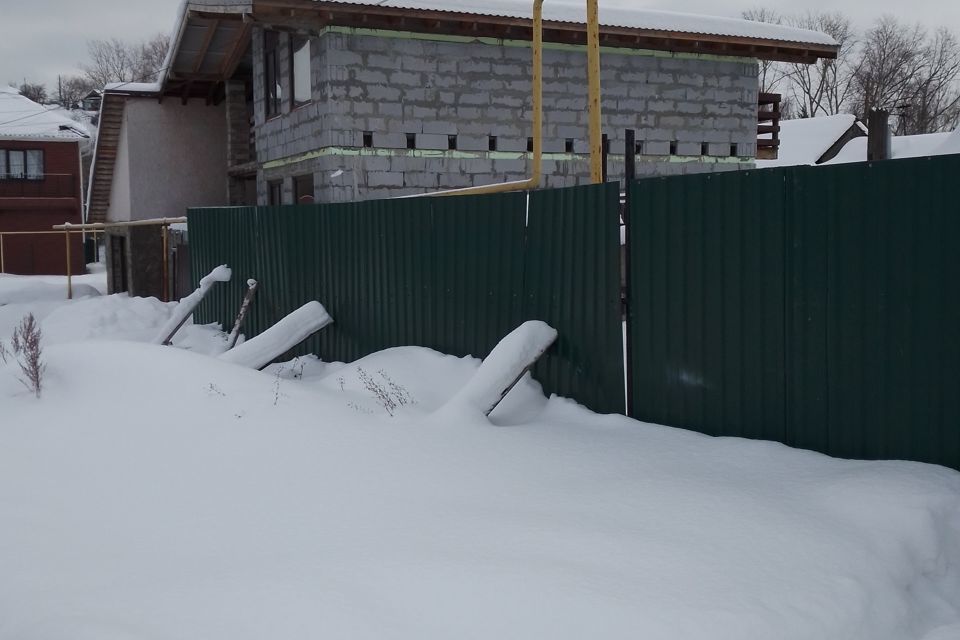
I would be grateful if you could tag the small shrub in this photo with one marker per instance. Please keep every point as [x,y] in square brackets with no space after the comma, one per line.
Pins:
[389,394]
[28,351]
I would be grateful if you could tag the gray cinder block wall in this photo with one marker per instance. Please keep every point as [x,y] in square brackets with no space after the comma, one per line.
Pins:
[376,92]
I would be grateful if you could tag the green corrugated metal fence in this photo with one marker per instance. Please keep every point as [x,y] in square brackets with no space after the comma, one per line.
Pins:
[816,306]
[453,274]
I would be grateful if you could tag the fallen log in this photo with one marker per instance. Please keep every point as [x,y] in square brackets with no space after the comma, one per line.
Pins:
[263,349]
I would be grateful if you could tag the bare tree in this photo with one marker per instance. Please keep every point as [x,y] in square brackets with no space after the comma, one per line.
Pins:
[118,61]
[890,58]
[824,88]
[72,90]
[931,101]
[772,74]
[36,92]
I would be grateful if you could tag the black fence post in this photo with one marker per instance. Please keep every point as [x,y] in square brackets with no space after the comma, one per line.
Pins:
[630,174]
[605,148]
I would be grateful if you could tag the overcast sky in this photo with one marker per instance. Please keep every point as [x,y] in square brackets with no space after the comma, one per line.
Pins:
[40,39]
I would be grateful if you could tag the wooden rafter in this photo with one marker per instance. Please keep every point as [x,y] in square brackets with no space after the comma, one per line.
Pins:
[207,39]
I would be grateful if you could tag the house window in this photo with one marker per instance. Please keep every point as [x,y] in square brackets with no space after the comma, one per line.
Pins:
[271,66]
[300,78]
[303,189]
[275,193]
[17,164]
[34,164]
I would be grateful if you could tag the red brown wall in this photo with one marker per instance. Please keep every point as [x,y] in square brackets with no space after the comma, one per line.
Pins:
[37,206]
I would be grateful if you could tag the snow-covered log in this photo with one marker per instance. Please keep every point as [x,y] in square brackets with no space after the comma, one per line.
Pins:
[258,352]
[504,367]
[187,305]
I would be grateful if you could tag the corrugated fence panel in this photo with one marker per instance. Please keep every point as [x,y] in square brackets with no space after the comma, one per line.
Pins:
[572,282]
[445,273]
[892,311]
[816,306]
[707,301]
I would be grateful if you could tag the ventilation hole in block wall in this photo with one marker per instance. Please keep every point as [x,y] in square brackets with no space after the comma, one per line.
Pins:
[368,139]
[639,149]
[568,145]
[411,141]
[673,148]
[734,150]
[529,144]
[492,143]
[704,149]
[452,143]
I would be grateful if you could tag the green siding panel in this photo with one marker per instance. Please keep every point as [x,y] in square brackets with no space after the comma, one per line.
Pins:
[816,306]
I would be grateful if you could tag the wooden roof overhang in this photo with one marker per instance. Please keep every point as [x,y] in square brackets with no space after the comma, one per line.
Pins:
[298,15]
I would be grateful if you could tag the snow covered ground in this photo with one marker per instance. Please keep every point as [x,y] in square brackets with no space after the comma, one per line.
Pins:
[157,492]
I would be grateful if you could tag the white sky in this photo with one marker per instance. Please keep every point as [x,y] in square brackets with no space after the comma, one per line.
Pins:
[40,39]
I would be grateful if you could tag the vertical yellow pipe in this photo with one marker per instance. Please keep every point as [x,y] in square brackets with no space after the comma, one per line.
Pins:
[593,75]
[66,236]
[537,93]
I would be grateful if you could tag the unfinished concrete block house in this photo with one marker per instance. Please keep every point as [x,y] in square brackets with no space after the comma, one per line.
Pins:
[333,101]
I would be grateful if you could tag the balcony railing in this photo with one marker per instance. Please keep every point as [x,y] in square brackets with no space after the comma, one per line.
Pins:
[768,126]
[47,185]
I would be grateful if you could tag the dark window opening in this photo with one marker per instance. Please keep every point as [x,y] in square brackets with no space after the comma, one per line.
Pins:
[493,143]
[605,144]
[19,164]
[704,149]
[303,189]
[673,148]
[275,193]
[639,148]
[452,143]
[530,144]
[734,150]
[368,139]
[271,65]
[568,145]
[411,141]
[301,81]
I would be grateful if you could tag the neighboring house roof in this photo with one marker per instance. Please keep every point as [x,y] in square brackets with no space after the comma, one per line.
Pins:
[950,145]
[809,141]
[929,144]
[22,118]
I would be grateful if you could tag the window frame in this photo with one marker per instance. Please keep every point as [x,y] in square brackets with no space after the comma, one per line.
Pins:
[24,175]
[273,89]
[293,40]
[274,187]
[296,188]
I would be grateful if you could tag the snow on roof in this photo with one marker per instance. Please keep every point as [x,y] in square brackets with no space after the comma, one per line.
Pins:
[804,141]
[23,118]
[929,144]
[626,15]
[951,144]
[133,87]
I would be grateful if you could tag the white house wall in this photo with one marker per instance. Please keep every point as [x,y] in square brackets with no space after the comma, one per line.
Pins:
[176,157]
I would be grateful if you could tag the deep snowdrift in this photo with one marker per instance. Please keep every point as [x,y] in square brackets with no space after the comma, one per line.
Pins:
[157,493]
